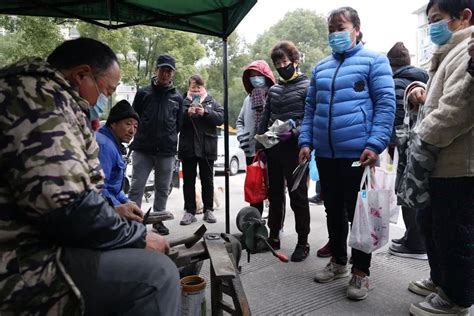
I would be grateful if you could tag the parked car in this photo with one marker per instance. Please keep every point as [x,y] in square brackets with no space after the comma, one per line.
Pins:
[236,156]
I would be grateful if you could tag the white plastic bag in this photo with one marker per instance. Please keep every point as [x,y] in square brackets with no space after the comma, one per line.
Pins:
[371,224]
[385,177]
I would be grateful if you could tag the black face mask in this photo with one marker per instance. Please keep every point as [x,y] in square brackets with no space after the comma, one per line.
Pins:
[286,72]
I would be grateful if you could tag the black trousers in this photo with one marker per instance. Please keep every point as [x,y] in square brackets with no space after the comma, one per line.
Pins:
[282,160]
[413,238]
[206,173]
[340,183]
[124,281]
[258,206]
[448,227]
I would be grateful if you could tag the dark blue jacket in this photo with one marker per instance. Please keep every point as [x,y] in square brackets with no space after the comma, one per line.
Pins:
[112,163]
[350,105]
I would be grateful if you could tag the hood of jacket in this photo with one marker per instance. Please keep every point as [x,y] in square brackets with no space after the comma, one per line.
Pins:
[262,67]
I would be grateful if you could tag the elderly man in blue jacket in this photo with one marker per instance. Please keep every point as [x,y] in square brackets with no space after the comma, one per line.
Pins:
[349,113]
[120,127]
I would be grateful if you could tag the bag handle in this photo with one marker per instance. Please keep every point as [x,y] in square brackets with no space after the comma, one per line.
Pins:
[366,179]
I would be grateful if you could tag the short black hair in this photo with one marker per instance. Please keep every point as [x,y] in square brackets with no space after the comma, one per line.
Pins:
[349,13]
[197,79]
[82,51]
[453,7]
[285,48]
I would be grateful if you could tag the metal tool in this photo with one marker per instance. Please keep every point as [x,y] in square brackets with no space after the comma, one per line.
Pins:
[250,223]
[145,218]
[189,241]
[299,172]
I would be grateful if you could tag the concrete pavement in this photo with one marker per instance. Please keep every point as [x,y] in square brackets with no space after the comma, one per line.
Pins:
[276,288]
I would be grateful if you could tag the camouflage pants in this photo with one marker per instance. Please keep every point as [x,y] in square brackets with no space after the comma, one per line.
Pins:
[413,187]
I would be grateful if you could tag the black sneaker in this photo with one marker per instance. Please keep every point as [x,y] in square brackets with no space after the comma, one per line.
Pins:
[161,229]
[399,241]
[300,253]
[315,200]
[274,242]
[402,251]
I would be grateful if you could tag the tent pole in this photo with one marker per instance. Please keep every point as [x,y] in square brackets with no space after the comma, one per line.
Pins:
[226,137]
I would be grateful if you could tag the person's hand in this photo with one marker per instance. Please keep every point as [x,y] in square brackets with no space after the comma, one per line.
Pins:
[417,96]
[305,152]
[199,110]
[130,211]
[191,110]
[156,242]
[470,48]
[285,136]
[368,158]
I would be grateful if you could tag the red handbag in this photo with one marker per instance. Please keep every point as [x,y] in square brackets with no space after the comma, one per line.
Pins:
[255,187]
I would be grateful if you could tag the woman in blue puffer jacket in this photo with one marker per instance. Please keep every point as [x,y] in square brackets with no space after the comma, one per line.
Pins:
[349,112]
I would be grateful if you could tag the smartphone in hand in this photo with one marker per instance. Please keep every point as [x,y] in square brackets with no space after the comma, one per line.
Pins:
[196,101]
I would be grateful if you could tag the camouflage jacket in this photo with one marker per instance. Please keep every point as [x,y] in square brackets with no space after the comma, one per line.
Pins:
[48,158]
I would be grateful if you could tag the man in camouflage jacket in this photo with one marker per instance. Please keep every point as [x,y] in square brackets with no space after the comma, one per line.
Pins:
[63,249]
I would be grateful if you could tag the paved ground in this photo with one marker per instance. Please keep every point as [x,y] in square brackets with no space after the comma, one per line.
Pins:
[275,288]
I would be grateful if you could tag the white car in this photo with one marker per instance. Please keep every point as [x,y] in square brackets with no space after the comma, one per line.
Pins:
[236,156]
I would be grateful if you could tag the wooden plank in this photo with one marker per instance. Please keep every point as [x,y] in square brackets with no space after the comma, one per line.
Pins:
[220,260]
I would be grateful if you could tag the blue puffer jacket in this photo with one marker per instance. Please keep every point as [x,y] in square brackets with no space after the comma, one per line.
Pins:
[350,105]
[112,163]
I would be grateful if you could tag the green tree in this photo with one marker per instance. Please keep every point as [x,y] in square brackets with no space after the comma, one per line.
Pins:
[138,48]
[305,28]
[26,37]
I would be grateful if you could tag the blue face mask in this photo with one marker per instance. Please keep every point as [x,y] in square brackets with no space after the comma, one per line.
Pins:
[99,107]
[440,33]
[340,42]
[100,104]
[258,81]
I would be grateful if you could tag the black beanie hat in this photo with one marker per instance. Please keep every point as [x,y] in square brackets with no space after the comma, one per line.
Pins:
[120,111]
[398,55]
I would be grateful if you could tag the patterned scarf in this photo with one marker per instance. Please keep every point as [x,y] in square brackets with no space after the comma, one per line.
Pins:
[257,101]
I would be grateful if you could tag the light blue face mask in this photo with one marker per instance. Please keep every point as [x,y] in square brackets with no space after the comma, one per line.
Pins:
[100,104]
[439,32]
[99,107]
[340,42]
[258,81]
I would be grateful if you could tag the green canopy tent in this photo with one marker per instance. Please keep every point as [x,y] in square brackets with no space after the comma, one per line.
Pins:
[211,17]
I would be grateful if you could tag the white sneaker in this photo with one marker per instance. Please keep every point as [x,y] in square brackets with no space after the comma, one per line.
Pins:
[331,272]
[437,304]
[358,288]
[187,219]
[423,287]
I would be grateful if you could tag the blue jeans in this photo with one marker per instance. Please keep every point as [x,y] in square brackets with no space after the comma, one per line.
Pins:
[448,228]
[142,166]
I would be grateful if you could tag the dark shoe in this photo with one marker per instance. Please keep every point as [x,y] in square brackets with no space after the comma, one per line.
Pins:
[260,247]
[300,253]
[399,241]
[325,251]
[402,251]
[274,242]
[315,200]
[161,229]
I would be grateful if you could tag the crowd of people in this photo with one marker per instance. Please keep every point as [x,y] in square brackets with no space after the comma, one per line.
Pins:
[71,239]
